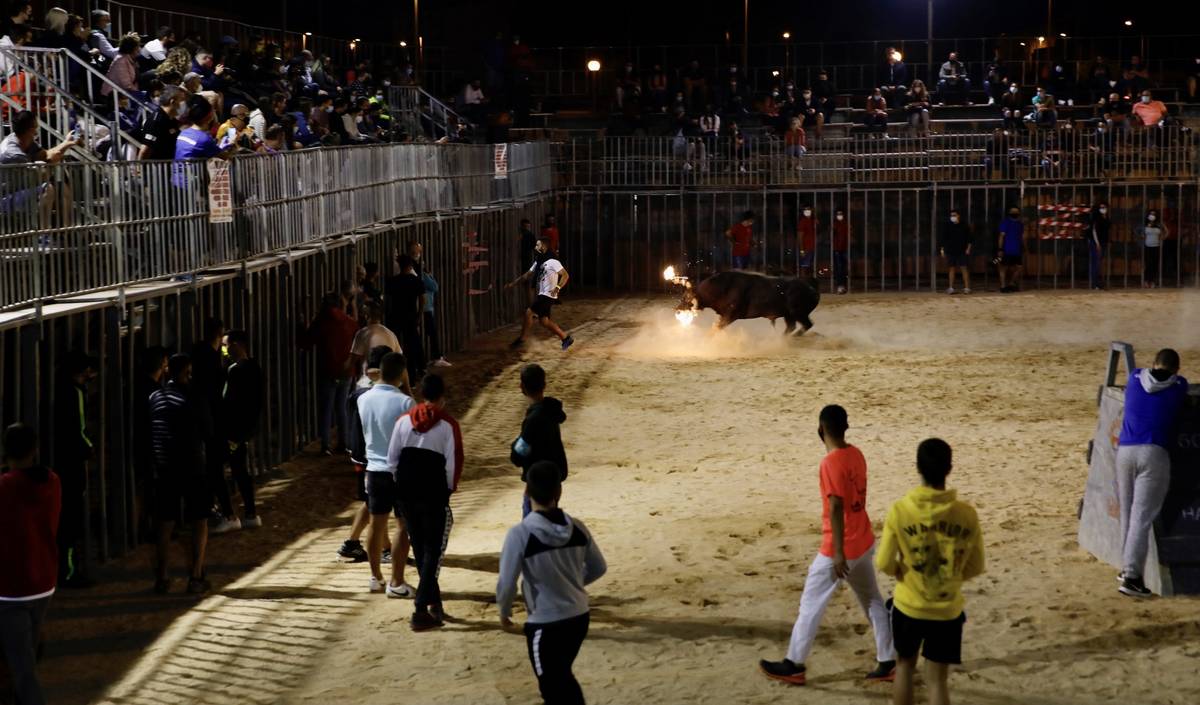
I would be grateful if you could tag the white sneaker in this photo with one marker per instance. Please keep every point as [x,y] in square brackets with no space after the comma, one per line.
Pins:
[376,585]
[225,525]
[991,101]
[402,590]
[951,290]
[253,522]
[440,362]
[966,291]
[841,290]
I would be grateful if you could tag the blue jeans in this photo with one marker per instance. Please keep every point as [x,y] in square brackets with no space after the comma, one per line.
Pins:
[331,408]
[1095,258]
[741,262]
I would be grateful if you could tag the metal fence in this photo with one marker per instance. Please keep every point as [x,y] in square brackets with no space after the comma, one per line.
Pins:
[1064,154]
[68,228]
[624,239]
[470,252]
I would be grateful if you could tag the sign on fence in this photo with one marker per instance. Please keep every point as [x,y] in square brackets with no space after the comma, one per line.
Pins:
[501,158]
[220,195]
[474,251]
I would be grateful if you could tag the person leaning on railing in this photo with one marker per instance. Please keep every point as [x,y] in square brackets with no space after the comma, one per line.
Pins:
[21,147]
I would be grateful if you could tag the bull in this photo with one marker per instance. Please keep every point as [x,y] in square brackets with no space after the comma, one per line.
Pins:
[737,295]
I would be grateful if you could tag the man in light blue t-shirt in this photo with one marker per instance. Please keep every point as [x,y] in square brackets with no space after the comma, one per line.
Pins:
[1011,249]
[379,409]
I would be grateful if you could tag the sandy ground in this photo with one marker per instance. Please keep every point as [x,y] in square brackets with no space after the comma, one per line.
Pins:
[694,460]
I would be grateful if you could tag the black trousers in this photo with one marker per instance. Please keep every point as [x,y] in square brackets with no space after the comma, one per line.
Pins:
[71,520]
[429,524]
[215,452]
[414,352]
[20,630]
[431,333]
[241,475]
[552,650]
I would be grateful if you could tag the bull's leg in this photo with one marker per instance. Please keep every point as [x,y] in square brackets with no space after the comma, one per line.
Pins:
[805,324]
[722,322]
[791,326]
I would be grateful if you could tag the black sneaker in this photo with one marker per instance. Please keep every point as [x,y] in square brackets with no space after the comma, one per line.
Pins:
[885,671]
[423,622]
[352,552]
[568,342]
[1134,587]
[785,670]
[386,557]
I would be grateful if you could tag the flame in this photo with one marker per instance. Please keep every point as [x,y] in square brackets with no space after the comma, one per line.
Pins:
[669,273]
[685,318]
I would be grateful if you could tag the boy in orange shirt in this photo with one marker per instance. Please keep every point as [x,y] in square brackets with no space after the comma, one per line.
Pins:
[847,552]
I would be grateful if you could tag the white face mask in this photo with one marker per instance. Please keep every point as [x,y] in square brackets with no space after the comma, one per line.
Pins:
[1145,99]
[841,217]
[954,219]
[1103,211]
[1151,218]
[1058,69]
[807,213]
[329,108]
[1012,89]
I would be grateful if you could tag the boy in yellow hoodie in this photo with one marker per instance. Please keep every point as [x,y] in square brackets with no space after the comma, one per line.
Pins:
[931,543]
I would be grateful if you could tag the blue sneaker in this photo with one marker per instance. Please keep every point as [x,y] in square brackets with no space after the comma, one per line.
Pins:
[567,342]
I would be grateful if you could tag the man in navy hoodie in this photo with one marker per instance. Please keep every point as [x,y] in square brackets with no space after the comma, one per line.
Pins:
[557,557]
[30,502]
[426,456]
[540,437]
[1153,400]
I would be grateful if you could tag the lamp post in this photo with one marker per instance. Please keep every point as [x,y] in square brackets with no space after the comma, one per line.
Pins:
[787,54]
[593,68]
[745,36]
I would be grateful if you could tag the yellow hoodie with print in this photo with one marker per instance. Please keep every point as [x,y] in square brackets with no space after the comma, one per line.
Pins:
[931,542]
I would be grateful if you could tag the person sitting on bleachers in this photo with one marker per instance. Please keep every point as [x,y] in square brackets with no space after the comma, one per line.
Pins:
[895,75]
[953,81]
[1062,85]
[810,110]
[795,141]
[1012,107]
[155,51]
[1134,78]
[995,82]
[1117,111]
[1045,116]
[918,105]
[1104,147]
[1151,112]
[1099,76]
[826,94]
[876,117]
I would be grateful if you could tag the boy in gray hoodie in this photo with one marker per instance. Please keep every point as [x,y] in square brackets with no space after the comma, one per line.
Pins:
[557,558]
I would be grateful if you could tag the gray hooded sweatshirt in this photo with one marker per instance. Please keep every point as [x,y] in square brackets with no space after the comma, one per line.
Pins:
[557,558]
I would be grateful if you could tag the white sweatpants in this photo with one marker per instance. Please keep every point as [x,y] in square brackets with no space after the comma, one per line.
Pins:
[818,590]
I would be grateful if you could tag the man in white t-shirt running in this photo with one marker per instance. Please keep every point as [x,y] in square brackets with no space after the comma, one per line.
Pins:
[549,277]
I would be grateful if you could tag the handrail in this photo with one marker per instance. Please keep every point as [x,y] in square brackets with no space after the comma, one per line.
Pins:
[406,101]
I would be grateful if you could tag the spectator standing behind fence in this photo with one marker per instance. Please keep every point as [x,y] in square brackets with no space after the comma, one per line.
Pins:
[1099,225]
[429,321]
[956,248]
[1152,232]
[73,448]
[242,405]
[1010,251]
[841,251]
[404,294]
[181,424]
[741,238]
[30,502]
[1153,399]
[528,242]
[332,334]
[550,232]
[152,374]
[207,385]
[806,242]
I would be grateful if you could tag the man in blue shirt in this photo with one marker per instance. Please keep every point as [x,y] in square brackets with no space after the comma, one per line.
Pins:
[1153,400]
[379,409]
[195,140]
[1011,249]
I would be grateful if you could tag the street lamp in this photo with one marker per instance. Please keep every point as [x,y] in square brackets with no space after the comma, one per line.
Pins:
[593,66]
[1128,23]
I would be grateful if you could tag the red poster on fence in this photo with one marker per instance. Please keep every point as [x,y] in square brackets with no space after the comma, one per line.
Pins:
[220,194]
[474,258]
[501,159]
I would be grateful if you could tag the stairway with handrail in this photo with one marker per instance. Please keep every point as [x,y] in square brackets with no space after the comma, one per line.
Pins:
[423,114]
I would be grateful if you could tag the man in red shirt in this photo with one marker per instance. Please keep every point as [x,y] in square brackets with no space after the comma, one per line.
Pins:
[332,334]
[550,231]
[806,241]
[30,502]
[847,553]
[741,234]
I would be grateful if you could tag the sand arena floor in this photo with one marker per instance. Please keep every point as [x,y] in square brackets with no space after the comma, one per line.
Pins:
[693,459]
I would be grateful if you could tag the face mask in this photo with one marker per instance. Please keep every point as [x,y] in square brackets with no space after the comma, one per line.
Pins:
[1103,211]
[807,213]
[791,87]
[1151,218]
[841,217]
[774,94]
[1012,89]
[1112,84]
[1058,69]
[329,108]
[387,82]
[1145,99]
[954,219]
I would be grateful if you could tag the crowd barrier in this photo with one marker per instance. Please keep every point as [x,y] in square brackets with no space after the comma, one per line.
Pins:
[623,239]
[74,227]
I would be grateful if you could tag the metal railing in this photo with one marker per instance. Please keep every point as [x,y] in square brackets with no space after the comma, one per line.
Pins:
[67,228]
[423,114]
[1063,154]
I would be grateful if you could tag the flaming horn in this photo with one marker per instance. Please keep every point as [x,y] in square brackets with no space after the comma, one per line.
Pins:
[685,316]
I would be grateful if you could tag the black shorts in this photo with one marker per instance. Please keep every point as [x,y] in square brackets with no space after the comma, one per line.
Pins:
[959,260]
[942,639]
[383,495]
[541,306]
[1011,260]
[187,497]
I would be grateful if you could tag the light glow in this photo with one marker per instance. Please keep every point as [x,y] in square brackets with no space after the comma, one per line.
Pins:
[593,66]
[897,56]
[669,273]
[685,318]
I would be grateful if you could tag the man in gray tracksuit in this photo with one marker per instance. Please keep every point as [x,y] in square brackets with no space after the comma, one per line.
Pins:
[557,558]
[1153,400]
